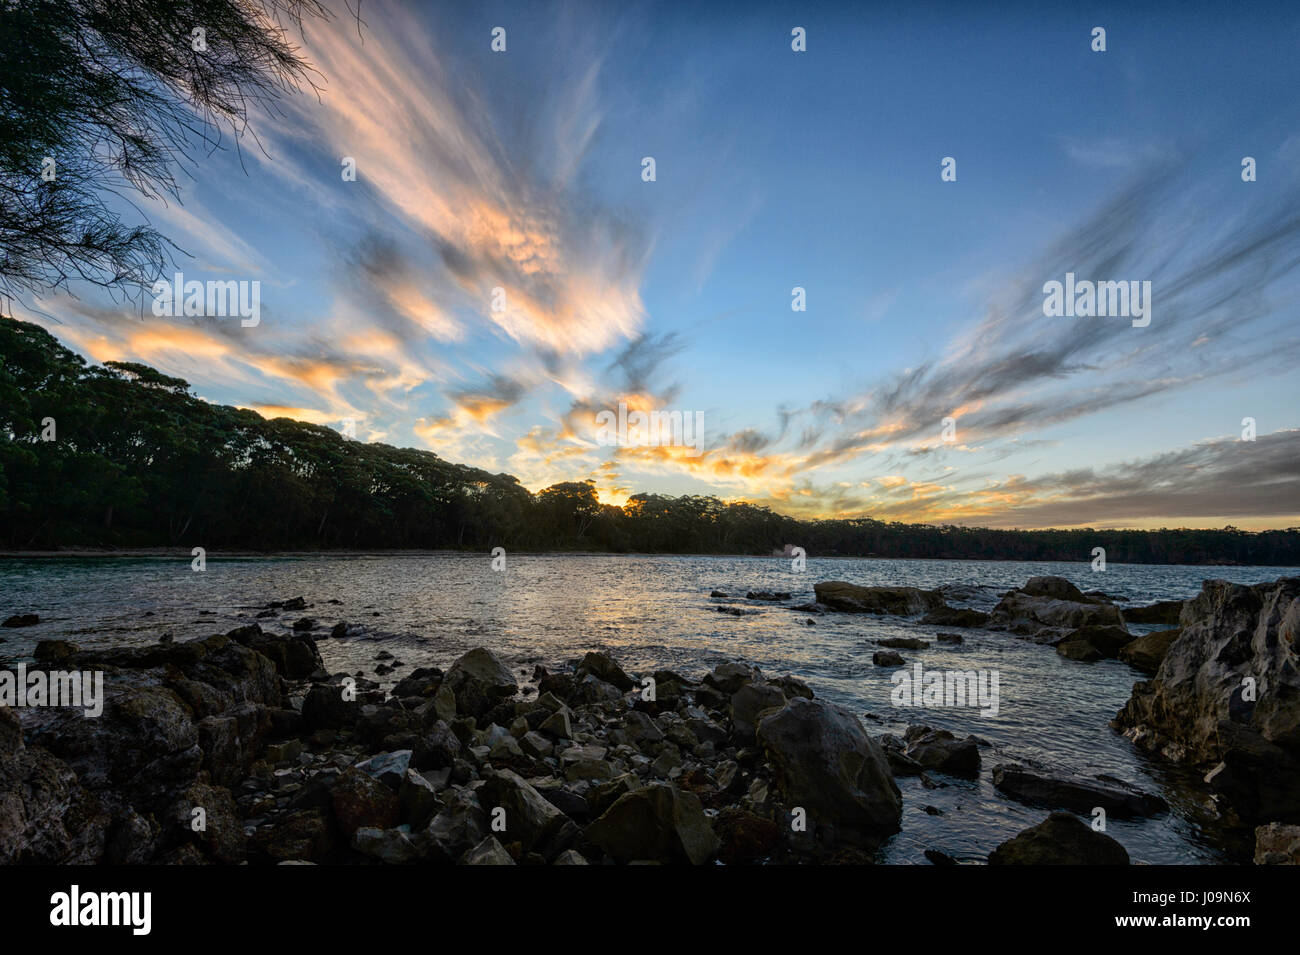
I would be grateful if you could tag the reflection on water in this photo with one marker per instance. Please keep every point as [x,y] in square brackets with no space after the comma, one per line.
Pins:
[654,612]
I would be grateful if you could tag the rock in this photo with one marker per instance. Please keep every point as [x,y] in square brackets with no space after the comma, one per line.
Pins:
[390,846]
[850,598]
[935,857]
[1163,611]
[1046,608]
[727,678]
[1146,653]
[941,751]
[422,682]
[46,815]
[305,623]
[53,651]
[458,827]
[535,744]
[1080,650]
[1057,588]
[955,617]
[1061,839]
[1078,794]
[1197,709]
[570,857]
[325,707]
[745,837]
[767,595]
[792,686]
[21,620]
[417,799]
[558,724]
[359,800]
[389,768]
[737,611]
[1277,844]
[529,818]
[904,643]
[827,764]
[303,835]
[487,852]
[339,630]
[295,657]
[603,667]
[748,703]
[480,681]
[887,658]
[1105,641]
[657,822]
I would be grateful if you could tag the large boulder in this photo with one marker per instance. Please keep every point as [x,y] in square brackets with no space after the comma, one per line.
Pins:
[955,617]
[1061,839]
[828,765]
[658,823]
[295,656]
[1079,794]
[852,598]
[1147,652]
[46,815]
[361,801]
[1226,697]
[942,752]
[1047,608]
[480,681]
[1277,844]
[748,703]
[1163,611]
[528,816]
[1094,643]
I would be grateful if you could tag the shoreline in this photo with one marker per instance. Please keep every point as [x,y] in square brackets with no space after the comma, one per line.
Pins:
[135,553]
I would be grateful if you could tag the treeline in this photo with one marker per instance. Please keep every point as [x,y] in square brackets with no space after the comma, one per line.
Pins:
[120,455]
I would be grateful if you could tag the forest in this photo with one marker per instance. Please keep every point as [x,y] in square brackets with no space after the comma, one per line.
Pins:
[122,456]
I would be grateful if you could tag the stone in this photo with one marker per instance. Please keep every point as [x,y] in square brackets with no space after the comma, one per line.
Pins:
[1196,711]
[1277,844]
[826,763]
[941,751]
[487,852]
[359,800]
[1147,652]
[1061,839]
[748,703]
[390,846]
[851,598]
[529,817]
[903,643]
[1079,794]
[657,822]
[480,681]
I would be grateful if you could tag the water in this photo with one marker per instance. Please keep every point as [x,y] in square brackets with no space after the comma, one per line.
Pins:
[652,612]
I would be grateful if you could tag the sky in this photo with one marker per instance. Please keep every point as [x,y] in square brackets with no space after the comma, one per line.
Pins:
[501,271]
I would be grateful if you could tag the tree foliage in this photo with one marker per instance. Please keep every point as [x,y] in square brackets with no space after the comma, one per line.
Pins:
[138,461]
[116,94]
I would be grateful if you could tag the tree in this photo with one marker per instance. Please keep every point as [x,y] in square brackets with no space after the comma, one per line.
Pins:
[102,98]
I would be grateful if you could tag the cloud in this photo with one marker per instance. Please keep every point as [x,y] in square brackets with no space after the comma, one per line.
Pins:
[495,218]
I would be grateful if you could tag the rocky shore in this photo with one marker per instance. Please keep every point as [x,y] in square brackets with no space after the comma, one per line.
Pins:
[241,747]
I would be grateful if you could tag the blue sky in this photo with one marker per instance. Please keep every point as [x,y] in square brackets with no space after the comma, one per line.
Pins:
[521,170]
